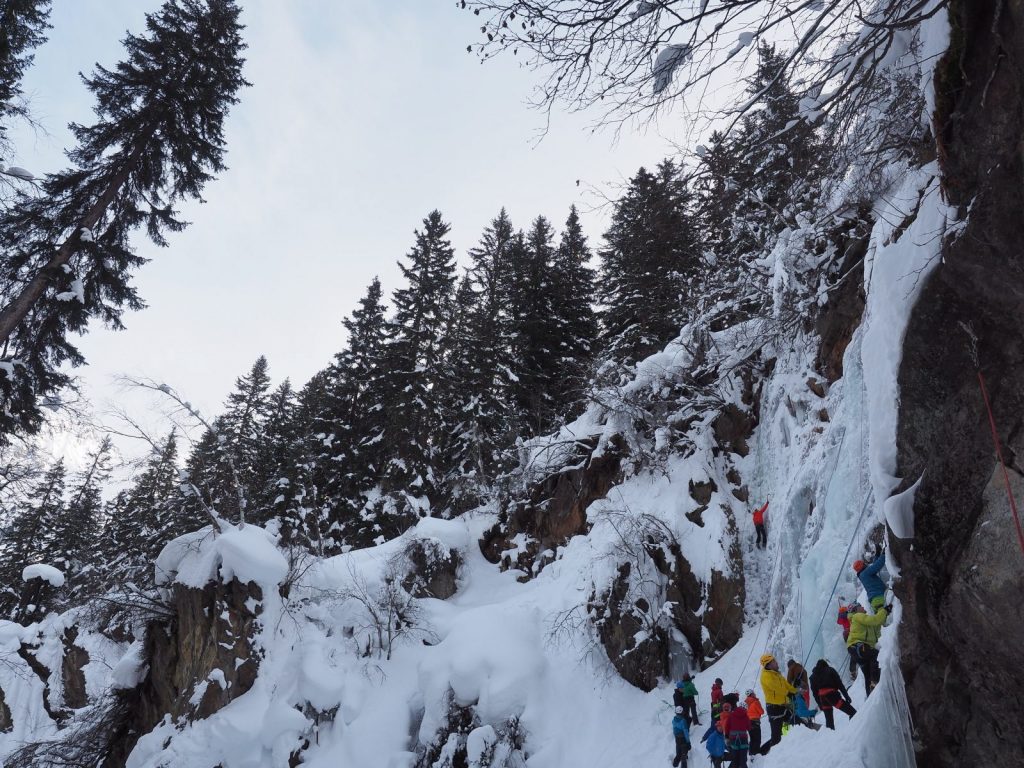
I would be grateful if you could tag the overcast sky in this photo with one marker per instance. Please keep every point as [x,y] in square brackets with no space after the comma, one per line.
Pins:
[361,118]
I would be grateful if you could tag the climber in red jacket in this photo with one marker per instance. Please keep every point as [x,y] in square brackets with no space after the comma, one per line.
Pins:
[762,534]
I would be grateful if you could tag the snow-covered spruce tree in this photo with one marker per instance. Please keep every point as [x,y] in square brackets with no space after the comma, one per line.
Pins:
[537,329]
[418,370]
[778,159]
[223,464]
[65,255]
[25,535]
[70,543]
[22,29]
[275,459]
[573,287]
[482,418]
[343,451]
[144,517]
[650,256]
[295,504]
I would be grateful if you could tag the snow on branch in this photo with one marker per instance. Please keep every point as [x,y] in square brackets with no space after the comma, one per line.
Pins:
[598,53]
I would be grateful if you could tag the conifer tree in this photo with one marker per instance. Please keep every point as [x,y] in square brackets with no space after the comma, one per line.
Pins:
[22,28]
[70,543]
[779,155]
[418,369]
[483,418]
[144,517]
[573,287]
[537,340]
[66,255]
[651,253]
[718,193]
[224,463]
[25,535]
[346,453]
[276,456]
[302,517]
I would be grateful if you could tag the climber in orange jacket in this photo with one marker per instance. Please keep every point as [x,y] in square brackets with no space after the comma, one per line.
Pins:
[762,533]
[755,712]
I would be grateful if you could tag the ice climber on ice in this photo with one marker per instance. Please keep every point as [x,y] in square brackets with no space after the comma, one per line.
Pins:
[865,631]
[869,578]
[755,712]
[681,732]
[685,696]
[830,693]
[777,691]
[762,533]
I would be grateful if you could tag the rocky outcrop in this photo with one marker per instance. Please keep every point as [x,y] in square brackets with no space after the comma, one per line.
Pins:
[71,693]
[6,722]
[963,627]
[839,318]
[637,640]
[556,508]
[72,671]
[198,663]
[433,569]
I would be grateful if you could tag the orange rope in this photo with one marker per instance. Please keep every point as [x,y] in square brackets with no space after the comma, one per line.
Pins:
[999,453]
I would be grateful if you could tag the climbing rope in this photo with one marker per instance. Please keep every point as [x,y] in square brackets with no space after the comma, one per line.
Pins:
[750,653]
[972,346]
[839,575]
[1002,463]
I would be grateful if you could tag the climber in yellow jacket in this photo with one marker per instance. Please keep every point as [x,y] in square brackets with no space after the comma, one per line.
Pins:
[865,631]
[777,691]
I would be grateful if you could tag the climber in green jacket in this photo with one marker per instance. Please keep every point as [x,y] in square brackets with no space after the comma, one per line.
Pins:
[865,630]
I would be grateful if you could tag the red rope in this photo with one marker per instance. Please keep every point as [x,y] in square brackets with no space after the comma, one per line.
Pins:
[999,453]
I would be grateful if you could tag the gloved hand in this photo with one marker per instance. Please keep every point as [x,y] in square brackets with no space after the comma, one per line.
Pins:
[878,549]
[888,608]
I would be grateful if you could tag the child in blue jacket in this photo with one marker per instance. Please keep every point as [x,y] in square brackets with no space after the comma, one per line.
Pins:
[681,731]
[716,745]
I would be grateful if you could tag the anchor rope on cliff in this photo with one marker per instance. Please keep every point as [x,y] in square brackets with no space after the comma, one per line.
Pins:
[839,575]
[973,345]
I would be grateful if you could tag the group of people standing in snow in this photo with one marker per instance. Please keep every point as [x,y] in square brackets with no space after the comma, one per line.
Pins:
[735,730]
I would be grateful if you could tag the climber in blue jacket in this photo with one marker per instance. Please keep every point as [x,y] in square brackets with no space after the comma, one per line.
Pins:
[681,731]
[716,744]
[868,575]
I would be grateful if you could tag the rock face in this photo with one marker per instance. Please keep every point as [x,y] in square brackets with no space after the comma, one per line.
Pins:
[72,671]
[963,621]
[556,508]
[714,609]
[204,655]
[433,569]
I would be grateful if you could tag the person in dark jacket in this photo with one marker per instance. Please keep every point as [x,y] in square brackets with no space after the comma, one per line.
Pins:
[685,696]
[681,732]
[830,693]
